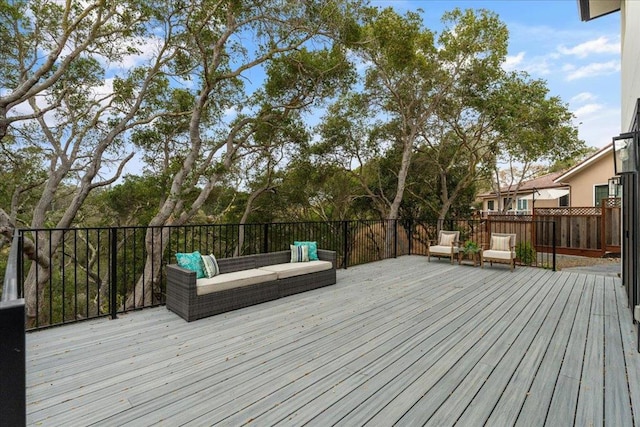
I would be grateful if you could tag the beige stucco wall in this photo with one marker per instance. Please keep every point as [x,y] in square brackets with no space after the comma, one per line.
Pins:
[583,182]
[630,71]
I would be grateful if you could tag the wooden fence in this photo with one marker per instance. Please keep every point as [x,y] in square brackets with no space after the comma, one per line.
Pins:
[586,231]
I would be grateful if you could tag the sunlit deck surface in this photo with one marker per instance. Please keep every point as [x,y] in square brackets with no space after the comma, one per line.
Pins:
[398,341]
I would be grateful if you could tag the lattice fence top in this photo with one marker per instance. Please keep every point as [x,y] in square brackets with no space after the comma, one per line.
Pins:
[511,218]
[614,202]
[583,211]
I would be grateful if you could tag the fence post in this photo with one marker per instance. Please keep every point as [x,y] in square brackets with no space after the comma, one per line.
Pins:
[395,238]
[603,226]
[265,238]
[553,228]
[410,232]
[113,272]
[345,237]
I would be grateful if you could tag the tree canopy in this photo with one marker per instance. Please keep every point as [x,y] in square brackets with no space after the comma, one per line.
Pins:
[265,110]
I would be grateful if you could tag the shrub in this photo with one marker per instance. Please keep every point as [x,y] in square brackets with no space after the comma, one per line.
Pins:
[526,253]
[470,247]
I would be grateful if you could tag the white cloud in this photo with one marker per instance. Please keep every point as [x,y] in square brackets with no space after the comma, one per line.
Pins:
[231,112]
[585,111]
[539,66]
[601,45]
[591,70]
[583,97]
[105,89]
[596,127]
[513,61]
[147,49]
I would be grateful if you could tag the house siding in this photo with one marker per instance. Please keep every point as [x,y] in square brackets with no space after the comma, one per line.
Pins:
[630,68]
[583,182]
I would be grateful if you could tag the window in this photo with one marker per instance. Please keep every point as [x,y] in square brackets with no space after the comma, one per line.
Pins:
[490,205]
[523,205]
[600,192]
[563,202]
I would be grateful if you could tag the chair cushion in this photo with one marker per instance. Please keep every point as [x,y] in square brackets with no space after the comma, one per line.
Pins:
[446,239]
[295,269]
[234,279]
[500,243]
[506,255]
[439,249]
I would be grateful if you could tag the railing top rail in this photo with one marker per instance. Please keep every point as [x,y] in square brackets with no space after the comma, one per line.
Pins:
[249,224]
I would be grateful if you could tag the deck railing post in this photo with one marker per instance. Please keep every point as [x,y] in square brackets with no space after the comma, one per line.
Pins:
[265,238]
[553,228]
[345,244]
[113,271]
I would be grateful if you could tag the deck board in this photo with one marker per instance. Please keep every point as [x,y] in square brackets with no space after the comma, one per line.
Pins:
[590,409]
[398,341]
[539,396]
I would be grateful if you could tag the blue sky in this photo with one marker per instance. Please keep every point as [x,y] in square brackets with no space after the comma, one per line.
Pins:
[579,60]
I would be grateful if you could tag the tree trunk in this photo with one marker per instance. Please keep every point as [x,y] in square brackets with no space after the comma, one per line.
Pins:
[148,284]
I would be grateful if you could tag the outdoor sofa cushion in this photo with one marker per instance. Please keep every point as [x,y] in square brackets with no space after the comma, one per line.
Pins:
[234,279]
[298,268]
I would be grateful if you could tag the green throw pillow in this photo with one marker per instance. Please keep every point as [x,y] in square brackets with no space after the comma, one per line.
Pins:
[192,261]
[313,249]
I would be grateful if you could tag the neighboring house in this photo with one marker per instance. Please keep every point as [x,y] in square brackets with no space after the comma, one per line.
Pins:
[583,185]
[542,192]
[589,180]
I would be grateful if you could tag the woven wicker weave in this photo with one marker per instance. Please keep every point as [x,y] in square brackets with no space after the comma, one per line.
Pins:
[183,300]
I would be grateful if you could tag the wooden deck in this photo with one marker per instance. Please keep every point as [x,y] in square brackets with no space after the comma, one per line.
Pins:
[400,341]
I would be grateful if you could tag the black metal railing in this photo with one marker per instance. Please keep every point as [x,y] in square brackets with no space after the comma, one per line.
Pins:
[92,272]
[12,345]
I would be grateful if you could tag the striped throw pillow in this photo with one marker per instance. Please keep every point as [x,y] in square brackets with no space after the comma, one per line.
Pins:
[210,265]
[313,249]
[299,253]
[500,243]
[446,239]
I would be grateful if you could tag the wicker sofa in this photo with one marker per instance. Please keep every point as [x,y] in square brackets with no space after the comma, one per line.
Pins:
[245,281]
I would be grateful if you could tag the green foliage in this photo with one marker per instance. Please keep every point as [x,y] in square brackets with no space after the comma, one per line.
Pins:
[526,253]
[470,247]
[134,201]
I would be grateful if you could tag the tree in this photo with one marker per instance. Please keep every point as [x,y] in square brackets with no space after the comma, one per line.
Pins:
[65,32]
[219,59]
[76,123]
[532,128]
[419,94]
